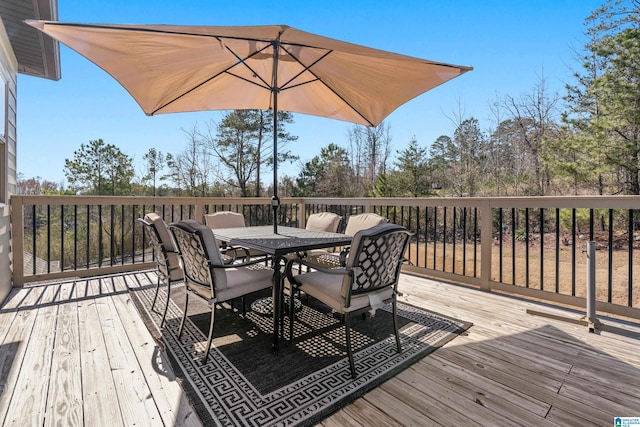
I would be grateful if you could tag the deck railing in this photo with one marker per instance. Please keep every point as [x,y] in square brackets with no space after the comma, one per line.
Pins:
[530,246]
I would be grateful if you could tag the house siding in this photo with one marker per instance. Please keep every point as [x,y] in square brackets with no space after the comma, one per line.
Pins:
[8,156]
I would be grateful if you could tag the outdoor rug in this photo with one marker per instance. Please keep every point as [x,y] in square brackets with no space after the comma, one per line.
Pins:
[245,383]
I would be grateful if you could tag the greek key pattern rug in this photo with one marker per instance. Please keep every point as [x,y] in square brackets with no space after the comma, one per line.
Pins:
[223,396]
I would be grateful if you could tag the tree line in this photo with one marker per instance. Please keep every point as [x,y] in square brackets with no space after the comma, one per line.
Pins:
[538,143]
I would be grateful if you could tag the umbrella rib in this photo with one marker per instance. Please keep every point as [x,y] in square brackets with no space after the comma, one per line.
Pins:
[243,62]
[318,78]
[264,86]
[306,68]
[225,71]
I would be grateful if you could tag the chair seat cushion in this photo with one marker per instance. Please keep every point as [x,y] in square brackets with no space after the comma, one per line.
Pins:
[328,288]
[241,281]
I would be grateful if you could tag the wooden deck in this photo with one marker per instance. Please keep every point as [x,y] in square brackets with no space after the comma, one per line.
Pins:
[77,353]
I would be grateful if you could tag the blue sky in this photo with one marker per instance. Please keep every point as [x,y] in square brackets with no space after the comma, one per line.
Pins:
[510,44]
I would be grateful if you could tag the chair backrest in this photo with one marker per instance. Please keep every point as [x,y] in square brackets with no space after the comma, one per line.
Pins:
[199,251]
[164,246]
[375,259]
[224,219]
[323,221]
[362,222]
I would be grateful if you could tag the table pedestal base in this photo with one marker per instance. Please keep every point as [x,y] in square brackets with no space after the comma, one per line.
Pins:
[264,306]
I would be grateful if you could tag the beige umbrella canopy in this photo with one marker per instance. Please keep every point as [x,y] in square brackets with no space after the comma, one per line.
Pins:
[170,68]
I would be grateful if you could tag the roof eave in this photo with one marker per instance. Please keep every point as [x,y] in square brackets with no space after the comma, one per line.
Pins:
[36,53]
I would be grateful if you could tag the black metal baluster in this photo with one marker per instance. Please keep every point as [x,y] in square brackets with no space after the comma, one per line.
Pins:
[112,226]
[475,243]
[435,236]
[573,252]
[541,220]
[610,266]
[630,290]
[75,237]
[500,221]
[464,241]
[61,237]
[453,265]
[526,246]
[48,238]
[100,249]
[557,287]
[33,237]
[444,238]
[513,246]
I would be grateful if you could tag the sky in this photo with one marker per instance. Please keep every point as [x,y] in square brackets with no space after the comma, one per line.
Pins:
[511,45]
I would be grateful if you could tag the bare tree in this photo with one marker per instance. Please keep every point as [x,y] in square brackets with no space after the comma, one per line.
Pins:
[191,169]
[370,148]
[535,115]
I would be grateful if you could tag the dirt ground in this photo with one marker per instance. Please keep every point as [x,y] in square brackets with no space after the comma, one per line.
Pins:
[565,274]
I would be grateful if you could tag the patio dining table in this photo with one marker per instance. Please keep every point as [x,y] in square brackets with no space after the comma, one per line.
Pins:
[286,241]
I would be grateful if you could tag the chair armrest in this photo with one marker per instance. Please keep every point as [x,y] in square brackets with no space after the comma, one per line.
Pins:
[291,262]
[227,249]
[243,264]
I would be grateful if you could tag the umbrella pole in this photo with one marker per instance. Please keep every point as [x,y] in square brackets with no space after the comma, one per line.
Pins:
[275,201]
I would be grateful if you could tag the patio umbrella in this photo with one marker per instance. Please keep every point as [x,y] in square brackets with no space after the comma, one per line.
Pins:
[170,68]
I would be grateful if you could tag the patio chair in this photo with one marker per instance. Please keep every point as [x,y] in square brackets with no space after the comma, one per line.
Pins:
[166,255]
[368,281]
[321,221]
[354,224]
[229,219]
[208,278]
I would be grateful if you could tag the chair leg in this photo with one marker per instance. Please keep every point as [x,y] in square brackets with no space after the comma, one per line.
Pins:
[213,315]
[155,297]
[395,326]
[347,326]
[184,313]
[292,312]
[166,305]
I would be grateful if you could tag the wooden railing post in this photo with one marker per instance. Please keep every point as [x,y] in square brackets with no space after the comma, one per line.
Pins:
[303,213]
[16,215]
[198,213]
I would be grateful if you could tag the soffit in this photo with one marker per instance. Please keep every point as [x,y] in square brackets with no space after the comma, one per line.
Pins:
[37,54]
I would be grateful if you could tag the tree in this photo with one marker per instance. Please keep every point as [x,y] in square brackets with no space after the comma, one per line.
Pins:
[439,160]
[603,112]
[35,186]
[99,168]
[468,158]
[264,142]
[326,175]
[154,163]
[535,115]
[370,151]
[191,170]
[509,161]
[412,176]
[235,146]
[242,144]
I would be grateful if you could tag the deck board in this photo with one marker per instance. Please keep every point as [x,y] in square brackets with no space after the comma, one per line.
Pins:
[64,400]
[100,401]
[33,380]
[76,352]
[136,403]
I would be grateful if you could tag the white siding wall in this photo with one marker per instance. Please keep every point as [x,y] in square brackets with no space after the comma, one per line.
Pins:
[8,175]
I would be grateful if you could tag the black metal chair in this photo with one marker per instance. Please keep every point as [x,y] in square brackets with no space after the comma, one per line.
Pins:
[208,277]
[368,281]
[354,224]
[166,255]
